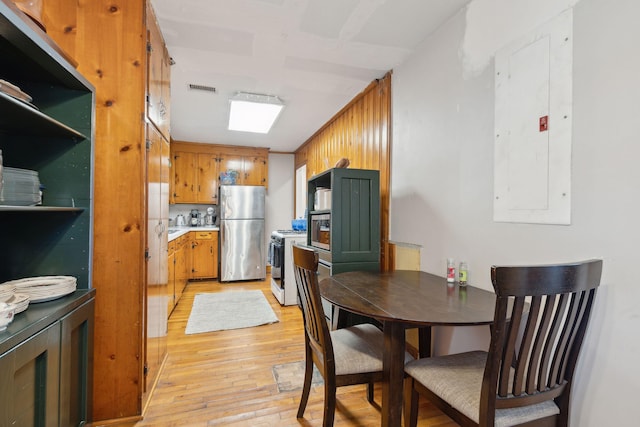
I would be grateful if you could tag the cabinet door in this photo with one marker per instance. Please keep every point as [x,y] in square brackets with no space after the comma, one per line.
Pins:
[255,171]
[207,178]
[184,177]
[158,75]
[188,257]
[203,255]
[214,251]
[157,290]
[30,379]
[171,268]
[182,275]
[165,100]
[76,365]
[231,162]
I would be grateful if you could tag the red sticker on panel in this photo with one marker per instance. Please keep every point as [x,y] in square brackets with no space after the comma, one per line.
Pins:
[544,123]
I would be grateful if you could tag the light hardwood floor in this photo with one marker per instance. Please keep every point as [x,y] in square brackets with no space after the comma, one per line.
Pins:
[225,378]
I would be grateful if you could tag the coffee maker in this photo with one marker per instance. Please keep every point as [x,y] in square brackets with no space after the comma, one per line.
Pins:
[195,217]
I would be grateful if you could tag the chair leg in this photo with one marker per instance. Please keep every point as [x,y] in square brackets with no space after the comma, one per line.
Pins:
[370,392]
[410,403]
[329,404]
[306,387]
[563,404]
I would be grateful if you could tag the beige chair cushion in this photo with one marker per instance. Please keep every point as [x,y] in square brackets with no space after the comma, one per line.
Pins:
[457,379]
[358,349]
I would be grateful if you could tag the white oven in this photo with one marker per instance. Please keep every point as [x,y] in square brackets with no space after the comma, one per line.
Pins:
[283,283]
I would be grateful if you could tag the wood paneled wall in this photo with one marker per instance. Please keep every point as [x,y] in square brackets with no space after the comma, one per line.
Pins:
[107,38]
[361,132]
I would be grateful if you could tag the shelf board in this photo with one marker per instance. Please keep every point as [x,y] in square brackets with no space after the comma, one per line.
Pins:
[42,57]
[18,116]
[7,208]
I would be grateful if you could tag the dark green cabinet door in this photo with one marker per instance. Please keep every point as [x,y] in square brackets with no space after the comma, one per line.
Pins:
[29,380]
[355,214]
[76,360]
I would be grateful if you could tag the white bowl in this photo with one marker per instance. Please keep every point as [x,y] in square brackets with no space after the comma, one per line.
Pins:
[7,312]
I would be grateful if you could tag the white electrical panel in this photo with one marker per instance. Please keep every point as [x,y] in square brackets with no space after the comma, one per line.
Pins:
[533,105]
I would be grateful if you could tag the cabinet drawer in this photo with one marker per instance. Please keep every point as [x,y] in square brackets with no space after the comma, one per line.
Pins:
[204,235]
[171,247]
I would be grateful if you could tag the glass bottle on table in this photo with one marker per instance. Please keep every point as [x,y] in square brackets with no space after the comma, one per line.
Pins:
[462,273]
[451,270]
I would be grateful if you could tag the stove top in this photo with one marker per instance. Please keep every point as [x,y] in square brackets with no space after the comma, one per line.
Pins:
[281,233]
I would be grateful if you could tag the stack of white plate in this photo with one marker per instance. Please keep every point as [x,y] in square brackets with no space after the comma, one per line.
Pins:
[6,292]
[21,301]
[20,187]
[43,288]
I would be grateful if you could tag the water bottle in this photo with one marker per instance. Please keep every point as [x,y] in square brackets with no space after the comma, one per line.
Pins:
[462,274]
[451,270]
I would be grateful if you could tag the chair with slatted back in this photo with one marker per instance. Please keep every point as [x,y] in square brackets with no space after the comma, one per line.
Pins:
[346,356]
[541,316]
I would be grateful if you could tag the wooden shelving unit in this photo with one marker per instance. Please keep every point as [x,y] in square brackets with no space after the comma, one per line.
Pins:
[51,342]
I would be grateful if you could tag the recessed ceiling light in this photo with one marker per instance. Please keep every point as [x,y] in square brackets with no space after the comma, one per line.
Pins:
[251,112]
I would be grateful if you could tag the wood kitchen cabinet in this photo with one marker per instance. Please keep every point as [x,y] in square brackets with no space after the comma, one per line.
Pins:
[252,170]
[108,43]
[207,185]
[179,253]
[158,289]
[171,273]
[196,169]
[204,255]
[184,180]
[255,171]
[158,77]
[195,177]
[157,283]
[182,265]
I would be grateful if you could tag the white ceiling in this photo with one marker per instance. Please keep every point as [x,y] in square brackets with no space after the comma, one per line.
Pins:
[316,55]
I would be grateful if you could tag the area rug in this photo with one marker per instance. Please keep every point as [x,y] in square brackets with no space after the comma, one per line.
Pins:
[229,310]
[290,376]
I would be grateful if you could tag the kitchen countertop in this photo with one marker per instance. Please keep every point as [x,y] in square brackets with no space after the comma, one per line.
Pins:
[177,231]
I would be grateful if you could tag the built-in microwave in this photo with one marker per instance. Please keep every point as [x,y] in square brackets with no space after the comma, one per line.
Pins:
[321,230]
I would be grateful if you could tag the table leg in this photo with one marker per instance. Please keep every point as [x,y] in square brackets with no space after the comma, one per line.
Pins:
[424,341]
[393,374]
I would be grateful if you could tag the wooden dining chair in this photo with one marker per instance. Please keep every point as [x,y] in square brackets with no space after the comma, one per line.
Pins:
[345,356]
[541,316]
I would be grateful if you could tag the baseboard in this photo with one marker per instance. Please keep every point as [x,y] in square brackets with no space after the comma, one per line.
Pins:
[120,422]
[149,394]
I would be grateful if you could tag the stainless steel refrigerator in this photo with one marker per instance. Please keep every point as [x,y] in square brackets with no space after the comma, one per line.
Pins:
[242,234]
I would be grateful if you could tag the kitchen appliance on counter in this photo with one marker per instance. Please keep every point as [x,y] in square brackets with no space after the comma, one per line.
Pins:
[180,221]
[283,283]
[195,217]
[320,230]
[210,217]
[242,234]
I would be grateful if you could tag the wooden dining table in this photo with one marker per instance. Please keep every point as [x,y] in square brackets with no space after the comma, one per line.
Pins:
[406,299]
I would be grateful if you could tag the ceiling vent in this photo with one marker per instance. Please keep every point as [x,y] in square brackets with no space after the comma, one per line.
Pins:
[202,87]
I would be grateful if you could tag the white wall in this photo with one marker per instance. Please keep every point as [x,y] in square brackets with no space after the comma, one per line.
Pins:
[280,207]
[442,177]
